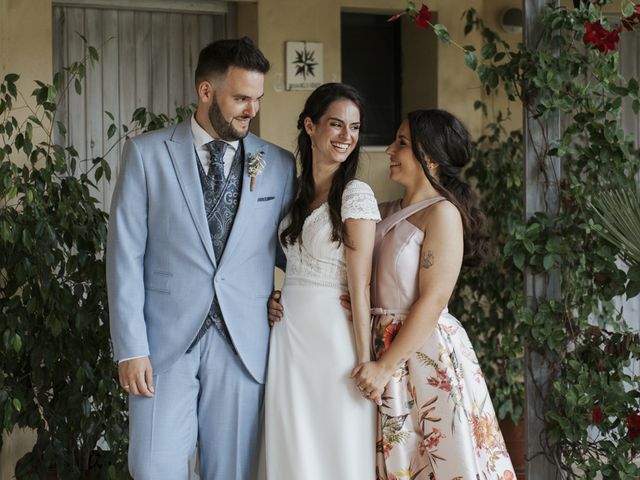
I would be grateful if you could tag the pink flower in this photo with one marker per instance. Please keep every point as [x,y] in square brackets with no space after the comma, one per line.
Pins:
[423,17]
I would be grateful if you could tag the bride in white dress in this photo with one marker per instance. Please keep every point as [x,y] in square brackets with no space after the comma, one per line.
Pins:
[318,425]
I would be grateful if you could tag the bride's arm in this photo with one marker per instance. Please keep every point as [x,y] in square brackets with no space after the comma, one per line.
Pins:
[359,253]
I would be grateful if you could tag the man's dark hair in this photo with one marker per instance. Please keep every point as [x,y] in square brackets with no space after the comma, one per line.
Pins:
[217,57]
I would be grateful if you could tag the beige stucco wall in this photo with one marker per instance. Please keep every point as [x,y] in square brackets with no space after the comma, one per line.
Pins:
[25,48]
[25,44]
[279,21]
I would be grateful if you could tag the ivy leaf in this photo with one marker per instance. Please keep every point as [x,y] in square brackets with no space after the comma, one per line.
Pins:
[470,59]
[111,131]
[107,170]
[93,54]
[617,89]
[627,10]
[17,343]
[62,129]
[518,260]
[442,33]
[11,77]
[548,262]
[488,51]
[492,79]
[43,95]
[632,289]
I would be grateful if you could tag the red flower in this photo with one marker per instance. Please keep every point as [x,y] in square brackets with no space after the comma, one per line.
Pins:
[424,17]
[632,20]
[596,415]
[601,38]
[633,425]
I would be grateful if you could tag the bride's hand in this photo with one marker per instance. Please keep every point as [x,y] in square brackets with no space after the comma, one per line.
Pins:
[371,378]
[275,308]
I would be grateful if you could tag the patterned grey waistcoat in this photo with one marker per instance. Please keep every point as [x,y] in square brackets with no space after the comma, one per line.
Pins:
[221,210]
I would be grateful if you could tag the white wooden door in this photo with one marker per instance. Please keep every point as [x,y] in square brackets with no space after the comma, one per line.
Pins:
[147,59]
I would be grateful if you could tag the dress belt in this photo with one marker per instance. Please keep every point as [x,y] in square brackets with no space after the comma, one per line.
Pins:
[389,311]
[395,311]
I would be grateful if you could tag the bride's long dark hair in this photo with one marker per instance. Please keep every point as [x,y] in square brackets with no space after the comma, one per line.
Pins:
[314,108]
[442,138]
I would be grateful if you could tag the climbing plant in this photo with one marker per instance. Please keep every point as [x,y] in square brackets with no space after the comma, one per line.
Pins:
[592,409]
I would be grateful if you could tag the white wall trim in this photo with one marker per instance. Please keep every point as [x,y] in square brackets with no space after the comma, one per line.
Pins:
[183,6]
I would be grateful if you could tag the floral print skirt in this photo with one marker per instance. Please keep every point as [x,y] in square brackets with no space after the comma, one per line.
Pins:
[436,421]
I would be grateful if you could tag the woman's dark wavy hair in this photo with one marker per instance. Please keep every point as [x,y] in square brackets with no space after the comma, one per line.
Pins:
[442,138]
[314,108]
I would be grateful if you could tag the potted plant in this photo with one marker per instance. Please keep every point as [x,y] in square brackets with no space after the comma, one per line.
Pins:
[57,375]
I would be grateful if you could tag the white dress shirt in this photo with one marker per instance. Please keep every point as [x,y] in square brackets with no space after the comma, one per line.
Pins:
[201,138]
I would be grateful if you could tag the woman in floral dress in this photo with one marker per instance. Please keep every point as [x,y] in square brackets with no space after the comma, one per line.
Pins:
[436,420]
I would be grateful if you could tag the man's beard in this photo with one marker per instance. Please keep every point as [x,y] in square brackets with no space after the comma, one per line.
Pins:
[220,124]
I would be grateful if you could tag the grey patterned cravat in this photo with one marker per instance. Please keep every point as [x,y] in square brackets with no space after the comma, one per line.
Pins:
[215,175]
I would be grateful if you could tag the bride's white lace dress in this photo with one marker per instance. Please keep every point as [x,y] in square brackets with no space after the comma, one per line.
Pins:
[317,424]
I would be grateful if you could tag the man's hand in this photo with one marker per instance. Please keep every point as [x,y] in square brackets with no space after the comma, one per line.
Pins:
[345,302]
[136,376]
[275,308]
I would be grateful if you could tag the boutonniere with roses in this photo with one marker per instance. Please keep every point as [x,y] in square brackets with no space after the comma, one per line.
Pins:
[256,166]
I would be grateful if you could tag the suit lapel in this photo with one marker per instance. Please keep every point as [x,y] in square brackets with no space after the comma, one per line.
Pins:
[248,199]
[183,156]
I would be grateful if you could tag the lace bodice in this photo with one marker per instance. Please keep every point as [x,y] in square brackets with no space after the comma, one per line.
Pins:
[317,260]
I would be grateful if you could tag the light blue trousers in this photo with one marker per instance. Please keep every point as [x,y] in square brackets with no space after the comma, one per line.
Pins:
[207,397]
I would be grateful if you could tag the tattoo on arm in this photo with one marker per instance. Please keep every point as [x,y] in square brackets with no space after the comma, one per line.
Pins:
[427,260]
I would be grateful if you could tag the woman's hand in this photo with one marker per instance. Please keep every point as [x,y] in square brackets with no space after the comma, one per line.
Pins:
[371,378]
[275,308]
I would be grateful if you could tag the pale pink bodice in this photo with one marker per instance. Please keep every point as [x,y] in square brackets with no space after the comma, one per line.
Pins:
[396,259]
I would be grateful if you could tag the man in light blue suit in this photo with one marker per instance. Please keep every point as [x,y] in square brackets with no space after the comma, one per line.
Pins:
[191,249]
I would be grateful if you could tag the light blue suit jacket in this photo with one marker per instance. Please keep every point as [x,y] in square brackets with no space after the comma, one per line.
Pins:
[161,270]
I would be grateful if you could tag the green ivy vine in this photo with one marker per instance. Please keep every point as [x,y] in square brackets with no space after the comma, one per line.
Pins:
[592,399]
